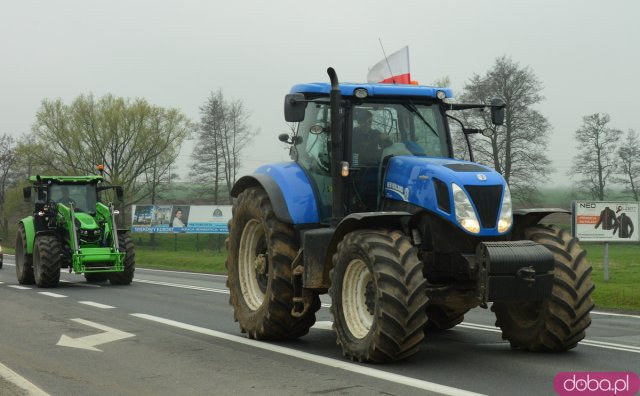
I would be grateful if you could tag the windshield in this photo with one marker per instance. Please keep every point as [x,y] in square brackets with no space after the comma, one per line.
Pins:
[82,196]
[403,128]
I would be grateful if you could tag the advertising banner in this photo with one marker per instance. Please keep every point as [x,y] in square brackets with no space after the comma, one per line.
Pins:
[190,219]
[606,221]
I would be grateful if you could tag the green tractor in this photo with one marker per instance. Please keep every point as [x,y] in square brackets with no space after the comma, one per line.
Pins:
[71,228]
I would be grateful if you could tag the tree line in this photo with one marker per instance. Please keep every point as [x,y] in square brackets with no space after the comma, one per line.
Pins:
[138,143]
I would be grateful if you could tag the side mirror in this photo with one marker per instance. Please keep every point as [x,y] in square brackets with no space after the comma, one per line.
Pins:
[26,194]
[294,106]
[119,193]
[497,111]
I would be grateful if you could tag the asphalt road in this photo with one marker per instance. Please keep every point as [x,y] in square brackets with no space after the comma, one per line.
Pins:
[173,333]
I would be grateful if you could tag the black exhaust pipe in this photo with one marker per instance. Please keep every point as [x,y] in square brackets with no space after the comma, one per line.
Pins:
[337,212]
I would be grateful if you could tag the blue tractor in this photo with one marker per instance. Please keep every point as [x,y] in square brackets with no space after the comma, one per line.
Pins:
[375,211]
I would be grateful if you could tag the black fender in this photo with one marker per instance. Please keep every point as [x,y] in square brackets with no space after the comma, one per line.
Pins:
[525,218]
[358,221]
[271,188]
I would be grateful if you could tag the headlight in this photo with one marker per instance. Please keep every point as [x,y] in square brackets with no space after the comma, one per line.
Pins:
[506,216]
[465,215]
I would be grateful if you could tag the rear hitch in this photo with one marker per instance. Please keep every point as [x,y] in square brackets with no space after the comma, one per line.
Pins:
[301,297]
[527,274]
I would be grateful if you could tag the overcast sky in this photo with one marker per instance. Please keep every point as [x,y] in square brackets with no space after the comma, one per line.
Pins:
[175,53]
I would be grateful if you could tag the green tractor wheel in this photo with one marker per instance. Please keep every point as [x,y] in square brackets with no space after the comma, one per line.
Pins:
[261,249]
[46,261]
[125,277]
[559,322]
[24,261]
[378,296]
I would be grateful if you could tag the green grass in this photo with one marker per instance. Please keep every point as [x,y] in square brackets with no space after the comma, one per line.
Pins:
[621,291]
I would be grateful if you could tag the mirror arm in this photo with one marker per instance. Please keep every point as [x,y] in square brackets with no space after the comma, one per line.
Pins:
[466,136]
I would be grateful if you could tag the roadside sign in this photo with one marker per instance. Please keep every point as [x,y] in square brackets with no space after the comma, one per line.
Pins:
[189,219]
[606,221]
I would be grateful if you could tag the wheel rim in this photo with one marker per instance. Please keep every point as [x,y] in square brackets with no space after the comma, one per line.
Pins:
[358,298]
[253,264]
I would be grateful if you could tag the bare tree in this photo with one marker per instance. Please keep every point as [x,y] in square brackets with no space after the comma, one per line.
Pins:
[7,176]
[223,132]
[130,138]
[595,161]
[628,164]
[518,149]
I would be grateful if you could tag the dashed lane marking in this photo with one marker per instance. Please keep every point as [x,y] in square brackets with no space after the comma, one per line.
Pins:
[96,305]
[56,295]
[19,287]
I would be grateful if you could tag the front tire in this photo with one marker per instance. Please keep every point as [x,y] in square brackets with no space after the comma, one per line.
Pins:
[46,261]
[24,261]
[261,249]
[378,296]
[125,277]
[559,322]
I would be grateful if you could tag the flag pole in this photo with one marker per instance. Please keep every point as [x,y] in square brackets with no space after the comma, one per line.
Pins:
[387,60]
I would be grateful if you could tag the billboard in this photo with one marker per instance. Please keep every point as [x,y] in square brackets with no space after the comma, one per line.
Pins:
[190,219]
[606,221]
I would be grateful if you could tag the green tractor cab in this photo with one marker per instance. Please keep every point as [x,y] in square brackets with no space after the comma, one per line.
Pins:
[71,228]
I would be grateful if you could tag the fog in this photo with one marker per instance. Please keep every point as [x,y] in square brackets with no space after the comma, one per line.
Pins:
[175,53]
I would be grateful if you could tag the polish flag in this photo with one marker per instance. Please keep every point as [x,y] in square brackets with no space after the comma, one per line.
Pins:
[392,70]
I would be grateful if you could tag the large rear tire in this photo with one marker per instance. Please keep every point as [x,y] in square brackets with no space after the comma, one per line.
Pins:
[260,252]
[46,261]
[378,296]
[24,261]
[125,277]
[559,322]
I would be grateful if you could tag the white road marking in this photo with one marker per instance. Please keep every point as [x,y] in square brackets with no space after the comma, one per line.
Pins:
[90,342]
[323,325]
[95,304]
[20,382]
[610,345]
[56,295]
[181,272]
[339,364]
[326,305]
[19,287]
[327,325]
[615,314]
[182,286]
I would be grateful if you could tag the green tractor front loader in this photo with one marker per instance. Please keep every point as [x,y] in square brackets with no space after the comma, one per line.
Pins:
[71,228]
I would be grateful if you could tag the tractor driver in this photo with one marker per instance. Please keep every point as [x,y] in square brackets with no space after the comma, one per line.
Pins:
[367,143]
[66,199]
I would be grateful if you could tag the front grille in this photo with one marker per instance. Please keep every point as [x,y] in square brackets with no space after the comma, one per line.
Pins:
[487,202]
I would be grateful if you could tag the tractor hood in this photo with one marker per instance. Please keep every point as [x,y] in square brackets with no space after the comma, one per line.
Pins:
[457,191]
[85,221]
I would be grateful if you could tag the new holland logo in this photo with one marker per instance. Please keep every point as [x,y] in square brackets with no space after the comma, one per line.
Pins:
[481,176]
